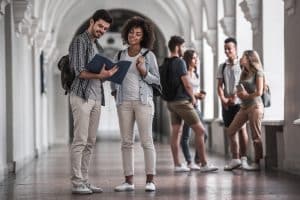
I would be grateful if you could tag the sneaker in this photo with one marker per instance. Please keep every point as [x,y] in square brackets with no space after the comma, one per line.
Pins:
[181,168]
[94,188]
[193,166]
[208,168]
[244,162]
[81,189]
[233,164]
[124,187]
[150,187]
[253,167]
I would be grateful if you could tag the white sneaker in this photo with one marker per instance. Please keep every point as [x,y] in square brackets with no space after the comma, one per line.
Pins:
[208,168]
[233,164]
[81,189]
[181,168]
[193,166]
[94,188]
[253,167]
[124,187]
[244,162]
[150,187]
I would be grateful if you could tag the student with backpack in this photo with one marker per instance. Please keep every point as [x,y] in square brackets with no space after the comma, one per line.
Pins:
[86,97]
[228,76]
[181,106]
[134,99]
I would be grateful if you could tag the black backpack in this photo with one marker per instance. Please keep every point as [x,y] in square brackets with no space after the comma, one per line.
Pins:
[67,73]
[168,81]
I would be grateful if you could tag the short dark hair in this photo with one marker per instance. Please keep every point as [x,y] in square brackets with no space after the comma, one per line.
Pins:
[230,39]
[175,41]
[102,14]
[147,28]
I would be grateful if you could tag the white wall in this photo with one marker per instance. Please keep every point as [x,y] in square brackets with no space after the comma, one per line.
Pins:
[273,55]
[22,100]
[2,100]
[243,31]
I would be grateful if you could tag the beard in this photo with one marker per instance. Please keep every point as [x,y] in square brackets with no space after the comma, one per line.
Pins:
[97,34]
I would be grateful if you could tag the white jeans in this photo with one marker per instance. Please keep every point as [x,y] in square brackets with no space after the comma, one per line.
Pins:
[86,116]
[130,112]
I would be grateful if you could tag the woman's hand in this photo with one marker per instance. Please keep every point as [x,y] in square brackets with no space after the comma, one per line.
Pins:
[140,65]
[243,94]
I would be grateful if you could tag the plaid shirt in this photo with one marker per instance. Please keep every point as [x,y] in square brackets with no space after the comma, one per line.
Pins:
[81,52]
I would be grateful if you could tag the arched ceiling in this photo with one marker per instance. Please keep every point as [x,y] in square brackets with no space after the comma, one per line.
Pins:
[53,23]
[164,14]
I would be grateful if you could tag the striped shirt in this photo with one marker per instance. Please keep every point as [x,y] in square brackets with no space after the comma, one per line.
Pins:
[81,52]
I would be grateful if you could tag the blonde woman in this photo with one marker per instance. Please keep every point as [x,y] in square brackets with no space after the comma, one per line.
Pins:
[249,90]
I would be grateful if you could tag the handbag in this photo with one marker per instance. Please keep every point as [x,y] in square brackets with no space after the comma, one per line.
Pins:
[266,96]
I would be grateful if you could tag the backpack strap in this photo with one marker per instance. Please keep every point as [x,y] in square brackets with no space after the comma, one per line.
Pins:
[145,53]
[119,55]
[223,69]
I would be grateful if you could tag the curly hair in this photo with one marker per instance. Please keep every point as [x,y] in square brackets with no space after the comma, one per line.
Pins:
[147,28]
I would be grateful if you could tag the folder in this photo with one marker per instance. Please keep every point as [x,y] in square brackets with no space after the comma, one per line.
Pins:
[96,64]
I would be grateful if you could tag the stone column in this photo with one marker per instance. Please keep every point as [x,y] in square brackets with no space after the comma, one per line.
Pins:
[3,4]
[252,10]
[291,132]
[228,21]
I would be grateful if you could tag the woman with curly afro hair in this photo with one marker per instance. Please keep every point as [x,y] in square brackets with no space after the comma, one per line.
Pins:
[134,99]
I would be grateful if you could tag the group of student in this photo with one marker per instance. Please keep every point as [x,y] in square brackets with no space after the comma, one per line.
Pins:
[134,101]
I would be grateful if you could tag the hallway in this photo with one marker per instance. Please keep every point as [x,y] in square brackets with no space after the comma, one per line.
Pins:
[47,178]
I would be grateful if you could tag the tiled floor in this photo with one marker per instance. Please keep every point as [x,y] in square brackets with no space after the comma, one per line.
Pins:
[47,178]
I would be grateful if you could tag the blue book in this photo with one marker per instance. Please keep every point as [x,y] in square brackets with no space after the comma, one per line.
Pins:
[96,64]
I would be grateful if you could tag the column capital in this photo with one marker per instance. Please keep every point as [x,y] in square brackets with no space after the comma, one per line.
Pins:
[290,6]
[22,11]
[3,4]
[252,13]
[228,26]
[211,36]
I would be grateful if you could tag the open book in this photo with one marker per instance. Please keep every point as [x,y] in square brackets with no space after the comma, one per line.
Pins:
[96,64]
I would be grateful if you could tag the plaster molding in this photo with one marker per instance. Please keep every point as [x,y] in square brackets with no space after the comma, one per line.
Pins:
[22,11]
[35,28]
[228,26]
[252,13]
[3,4]
[211,37]
[290,6]
[41,39]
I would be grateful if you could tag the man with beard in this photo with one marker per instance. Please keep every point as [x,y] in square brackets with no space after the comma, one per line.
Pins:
[181,107]
[86,98]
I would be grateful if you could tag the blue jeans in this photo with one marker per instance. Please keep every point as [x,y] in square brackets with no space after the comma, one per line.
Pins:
[186,132]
